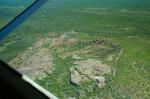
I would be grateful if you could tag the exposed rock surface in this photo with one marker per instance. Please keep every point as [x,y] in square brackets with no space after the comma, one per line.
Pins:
[90,69]
[76,57]
[100,80]
[71,98]
[76,77]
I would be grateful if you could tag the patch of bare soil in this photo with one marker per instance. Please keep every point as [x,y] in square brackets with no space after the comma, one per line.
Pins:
[53,35]
[56,42]
[38,43]
[71,41]
[77,52]
[34,62]
[63,39]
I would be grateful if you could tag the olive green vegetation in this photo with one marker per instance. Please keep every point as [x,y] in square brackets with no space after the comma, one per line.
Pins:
[125,23]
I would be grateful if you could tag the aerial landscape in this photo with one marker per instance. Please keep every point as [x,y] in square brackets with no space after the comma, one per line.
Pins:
[82,49]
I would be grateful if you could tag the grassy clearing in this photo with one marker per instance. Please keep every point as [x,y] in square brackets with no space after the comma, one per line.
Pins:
[133,66]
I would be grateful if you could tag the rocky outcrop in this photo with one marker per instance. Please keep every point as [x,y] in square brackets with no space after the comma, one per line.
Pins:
[90,69]
[76,57]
